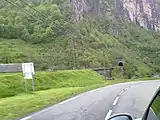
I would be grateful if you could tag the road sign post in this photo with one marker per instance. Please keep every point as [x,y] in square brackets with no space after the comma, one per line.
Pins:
[26,86]
[28,72]
[33,88]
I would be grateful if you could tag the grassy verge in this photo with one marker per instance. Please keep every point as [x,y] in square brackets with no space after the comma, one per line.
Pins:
[13,107]
[52,87]
[13,84]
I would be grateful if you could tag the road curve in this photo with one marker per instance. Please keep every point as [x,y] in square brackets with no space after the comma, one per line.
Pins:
[99,104]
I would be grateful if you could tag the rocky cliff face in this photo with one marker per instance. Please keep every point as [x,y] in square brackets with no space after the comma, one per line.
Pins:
[80,7]
[144,13]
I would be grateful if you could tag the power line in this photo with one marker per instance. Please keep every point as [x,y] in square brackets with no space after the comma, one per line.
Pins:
[11,2]
[26,12]
[43,15]
[42,20]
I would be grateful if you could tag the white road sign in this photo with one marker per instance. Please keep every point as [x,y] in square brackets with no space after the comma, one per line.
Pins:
[28,70]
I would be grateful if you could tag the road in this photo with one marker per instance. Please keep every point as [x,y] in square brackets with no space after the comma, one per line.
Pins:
[152,115]
[99,104]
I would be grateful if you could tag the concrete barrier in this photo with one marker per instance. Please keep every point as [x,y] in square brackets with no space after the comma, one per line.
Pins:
[106,72]
[10,68]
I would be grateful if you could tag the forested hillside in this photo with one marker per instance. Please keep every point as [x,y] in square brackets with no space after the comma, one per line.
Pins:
[47,33]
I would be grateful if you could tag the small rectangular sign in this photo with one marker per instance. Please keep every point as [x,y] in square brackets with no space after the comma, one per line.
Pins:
[28,70]
[28,75]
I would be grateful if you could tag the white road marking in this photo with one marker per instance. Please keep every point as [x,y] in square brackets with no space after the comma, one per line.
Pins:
[47,109]
[26,118]
[121,93]
[66,101]
[116,100]
[94,90]
[126,89]
[108,114]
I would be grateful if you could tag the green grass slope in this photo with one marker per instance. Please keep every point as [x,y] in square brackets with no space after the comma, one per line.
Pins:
[13,84]
[19,51]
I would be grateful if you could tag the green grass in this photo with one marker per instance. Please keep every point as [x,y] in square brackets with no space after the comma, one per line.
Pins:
[52,87]
[16,51]
[20,105]
[13,84]
[68,78]
[13,107]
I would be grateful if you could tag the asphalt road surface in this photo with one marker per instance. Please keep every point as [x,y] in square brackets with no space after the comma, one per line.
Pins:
[99,104]
[152,115]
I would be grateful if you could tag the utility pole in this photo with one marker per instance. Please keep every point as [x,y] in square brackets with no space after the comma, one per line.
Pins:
[104,63]
[75,48]
[72,52]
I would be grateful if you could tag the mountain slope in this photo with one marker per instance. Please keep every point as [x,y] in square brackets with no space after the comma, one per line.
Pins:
[59,37]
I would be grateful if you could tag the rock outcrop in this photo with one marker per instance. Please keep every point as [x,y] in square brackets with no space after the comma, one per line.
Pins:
[144,13]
